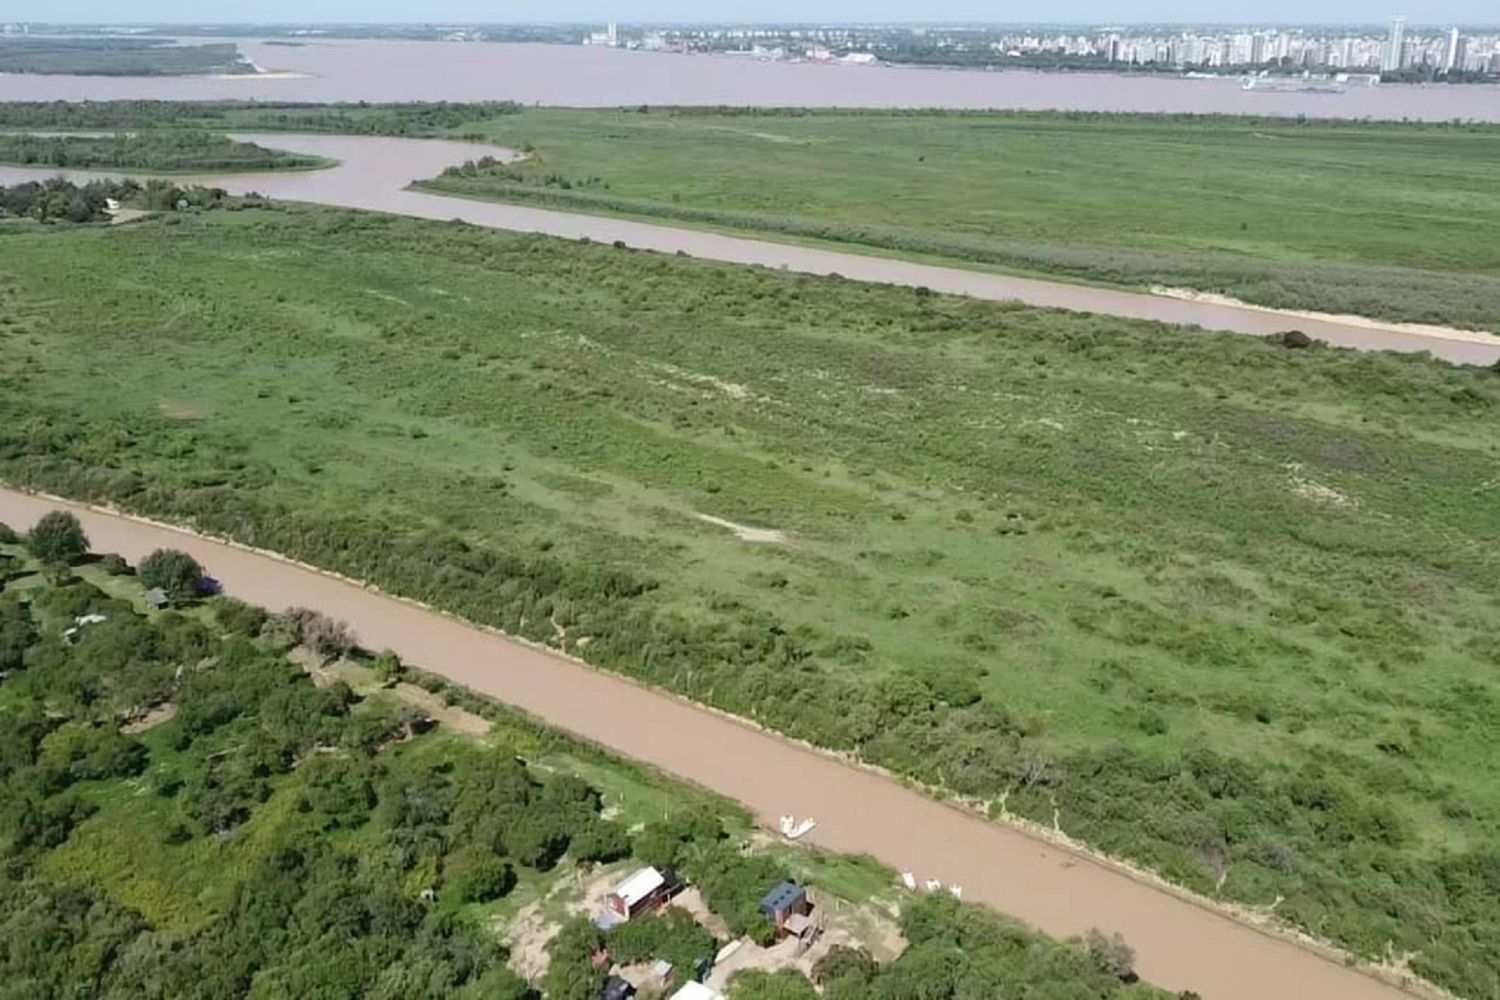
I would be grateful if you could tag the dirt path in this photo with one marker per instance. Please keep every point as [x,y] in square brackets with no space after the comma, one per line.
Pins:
[1182,945]
[372,173]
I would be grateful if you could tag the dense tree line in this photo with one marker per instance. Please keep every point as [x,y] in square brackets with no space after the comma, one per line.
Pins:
[111,56]
[418,118]
[159,150]
[310,917]
[59,199]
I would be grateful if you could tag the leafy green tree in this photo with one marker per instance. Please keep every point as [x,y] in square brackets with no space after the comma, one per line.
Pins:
[1111,954]
[173,571]
[786,984]
[240,618]
[337,791]
[479,875]
[57,538]
[571,973]
[844,962]
[599,840]
[388,668]
[17,634]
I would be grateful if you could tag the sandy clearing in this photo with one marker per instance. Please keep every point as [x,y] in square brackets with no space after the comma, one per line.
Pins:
[1182,942]
[745,533]
[1342,319]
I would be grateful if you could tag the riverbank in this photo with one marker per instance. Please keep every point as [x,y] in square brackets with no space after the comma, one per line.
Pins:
[598,76]
[373,173]
[1181,943]
[1018,542]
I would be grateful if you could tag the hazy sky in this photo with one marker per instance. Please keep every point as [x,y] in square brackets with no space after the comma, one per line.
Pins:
[1284,11]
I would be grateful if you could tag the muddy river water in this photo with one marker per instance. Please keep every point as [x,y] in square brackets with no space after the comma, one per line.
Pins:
[594,76]
[373,174]
[1181,945]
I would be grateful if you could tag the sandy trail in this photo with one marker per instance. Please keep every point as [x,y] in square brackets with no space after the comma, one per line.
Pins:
[373,173]
[1181,944]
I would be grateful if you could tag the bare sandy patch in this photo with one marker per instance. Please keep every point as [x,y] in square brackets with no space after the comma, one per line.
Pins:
[1311,489]
[178,411]
[387,296]
[839,922]
[731,389]
[156,717]
[1346,319]
[745,533]
[449,716]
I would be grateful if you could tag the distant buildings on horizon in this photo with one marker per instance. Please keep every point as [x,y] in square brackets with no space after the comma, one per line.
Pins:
[1396,50]
[1402,50]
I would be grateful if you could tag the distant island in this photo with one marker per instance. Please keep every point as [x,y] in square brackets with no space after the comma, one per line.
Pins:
[110,56]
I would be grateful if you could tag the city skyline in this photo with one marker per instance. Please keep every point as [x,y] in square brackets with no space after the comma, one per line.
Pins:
[1274,13]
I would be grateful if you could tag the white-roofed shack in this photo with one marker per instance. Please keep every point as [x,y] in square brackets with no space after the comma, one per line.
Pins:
[645,889]
[696,991]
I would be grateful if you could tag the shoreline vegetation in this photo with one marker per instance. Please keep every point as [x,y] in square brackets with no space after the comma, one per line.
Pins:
[1209,604]
[1284,214]
[1290,215]
[273,766]
[160,151]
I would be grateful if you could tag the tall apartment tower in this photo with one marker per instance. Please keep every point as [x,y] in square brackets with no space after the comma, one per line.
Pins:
[1390,59]
[1451,57]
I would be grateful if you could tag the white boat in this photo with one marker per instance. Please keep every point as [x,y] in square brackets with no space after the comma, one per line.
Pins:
[933,885]
[957,891]
[909,880]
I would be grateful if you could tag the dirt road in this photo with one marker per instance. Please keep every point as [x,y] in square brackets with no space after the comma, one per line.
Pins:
[1181,944]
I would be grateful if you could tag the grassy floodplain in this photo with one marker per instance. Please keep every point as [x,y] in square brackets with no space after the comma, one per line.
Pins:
[1385,219]
[1215,605]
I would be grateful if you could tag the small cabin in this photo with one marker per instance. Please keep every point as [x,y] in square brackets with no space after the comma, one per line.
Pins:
[696,991]
[782,903]
[157,599]
[643,890]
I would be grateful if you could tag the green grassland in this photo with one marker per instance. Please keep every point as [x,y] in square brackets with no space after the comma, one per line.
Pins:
[163,151]
[1219,606]
[117,57]
[1380,219]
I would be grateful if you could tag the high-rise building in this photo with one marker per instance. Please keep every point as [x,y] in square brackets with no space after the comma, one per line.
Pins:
[1390,59]
[1451,57]
[614,34]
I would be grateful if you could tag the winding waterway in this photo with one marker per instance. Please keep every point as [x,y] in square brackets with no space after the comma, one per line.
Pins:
[1181,944]
[373,174]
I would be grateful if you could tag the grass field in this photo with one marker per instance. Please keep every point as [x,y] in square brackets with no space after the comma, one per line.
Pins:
[1383,219]
[1222,607]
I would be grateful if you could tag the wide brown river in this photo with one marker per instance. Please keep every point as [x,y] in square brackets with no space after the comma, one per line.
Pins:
[1181,945]
[592,76]
[374,172]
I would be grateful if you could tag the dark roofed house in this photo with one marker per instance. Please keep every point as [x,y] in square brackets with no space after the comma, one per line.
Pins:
[786,900]
[617,988]
[157,599]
